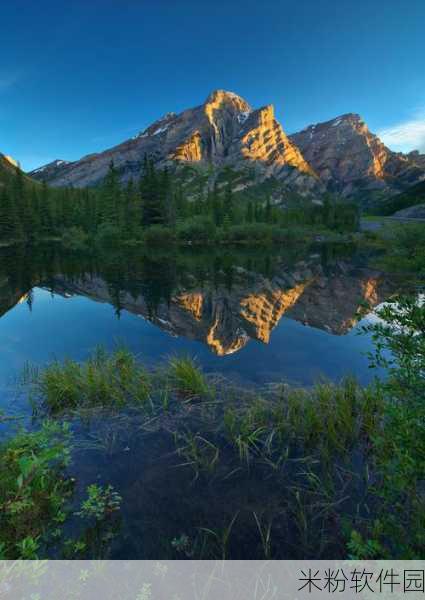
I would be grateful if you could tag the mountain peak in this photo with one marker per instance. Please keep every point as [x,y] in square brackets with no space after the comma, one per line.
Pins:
[353,161]
[222,98]
[219,94]
[351,119]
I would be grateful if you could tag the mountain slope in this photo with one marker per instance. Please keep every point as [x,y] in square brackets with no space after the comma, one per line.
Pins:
[7,166]
[223,132]
[411,197]
[416,157]
[352,161]
[226,140]
[8,169]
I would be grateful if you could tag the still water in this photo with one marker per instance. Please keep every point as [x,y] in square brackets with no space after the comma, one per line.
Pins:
[254,316]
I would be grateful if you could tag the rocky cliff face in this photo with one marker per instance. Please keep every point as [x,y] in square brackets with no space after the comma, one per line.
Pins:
[224,131]
[351,160]
[340,156]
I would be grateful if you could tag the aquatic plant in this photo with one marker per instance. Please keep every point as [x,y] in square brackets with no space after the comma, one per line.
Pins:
[200,454]
[100,503]
[33,489]
[337,469]
[107,380]
[188,378]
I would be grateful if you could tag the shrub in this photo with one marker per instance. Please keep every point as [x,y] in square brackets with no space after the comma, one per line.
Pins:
[108,235]
[158,235]
[249,232]
[197,229]
[75,238]
[33,490]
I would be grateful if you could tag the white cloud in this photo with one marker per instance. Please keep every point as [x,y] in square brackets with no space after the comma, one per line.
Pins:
[407,135]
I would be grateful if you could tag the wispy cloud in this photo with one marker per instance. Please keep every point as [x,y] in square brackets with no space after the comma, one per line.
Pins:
[406,135]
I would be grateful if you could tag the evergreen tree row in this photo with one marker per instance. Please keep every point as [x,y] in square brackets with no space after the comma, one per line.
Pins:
[31,211]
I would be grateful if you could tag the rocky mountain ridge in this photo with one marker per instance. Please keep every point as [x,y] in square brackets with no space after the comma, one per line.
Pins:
[350,160]
[225,132]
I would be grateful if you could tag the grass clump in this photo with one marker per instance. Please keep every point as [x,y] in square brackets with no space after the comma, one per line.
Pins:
[188,378]
[333,470]
[113,380]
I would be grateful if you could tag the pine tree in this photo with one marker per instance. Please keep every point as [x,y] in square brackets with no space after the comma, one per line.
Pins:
[228,203]
[45,217]
[9,225]
[249,216]
[153,210]
[268,211]
[110,197]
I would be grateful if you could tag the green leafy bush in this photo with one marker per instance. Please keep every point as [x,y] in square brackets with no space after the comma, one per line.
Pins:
[33,490]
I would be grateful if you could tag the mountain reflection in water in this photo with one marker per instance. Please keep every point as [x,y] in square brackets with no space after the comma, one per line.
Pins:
[222,299]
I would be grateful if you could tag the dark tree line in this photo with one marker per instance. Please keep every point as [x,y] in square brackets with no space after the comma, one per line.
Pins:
[32,211]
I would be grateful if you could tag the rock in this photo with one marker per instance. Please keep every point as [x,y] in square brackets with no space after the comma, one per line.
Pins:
[352,161]
[225,131]
[413,212]
[339,156]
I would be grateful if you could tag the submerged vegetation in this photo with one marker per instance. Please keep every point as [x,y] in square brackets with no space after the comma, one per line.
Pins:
[35,495]
[335,470]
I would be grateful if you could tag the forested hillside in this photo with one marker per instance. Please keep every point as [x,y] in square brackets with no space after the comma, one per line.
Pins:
[411,197]
[154,208]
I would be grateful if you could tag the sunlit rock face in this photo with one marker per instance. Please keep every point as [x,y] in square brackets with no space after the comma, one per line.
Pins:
[224,131]
[350,159]
[340,156]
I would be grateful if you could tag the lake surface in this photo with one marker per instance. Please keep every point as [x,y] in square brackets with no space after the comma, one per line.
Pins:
[254,316]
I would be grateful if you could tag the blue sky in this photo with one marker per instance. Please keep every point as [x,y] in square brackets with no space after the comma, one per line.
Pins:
[78,77]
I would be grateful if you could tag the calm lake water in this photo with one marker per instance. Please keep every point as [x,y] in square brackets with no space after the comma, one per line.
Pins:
[254,315]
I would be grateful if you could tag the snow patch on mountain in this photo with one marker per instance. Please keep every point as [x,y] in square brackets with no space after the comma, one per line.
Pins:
[242,116]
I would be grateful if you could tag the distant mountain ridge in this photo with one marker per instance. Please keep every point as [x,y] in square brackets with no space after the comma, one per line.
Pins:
[340,156]
[351,160]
